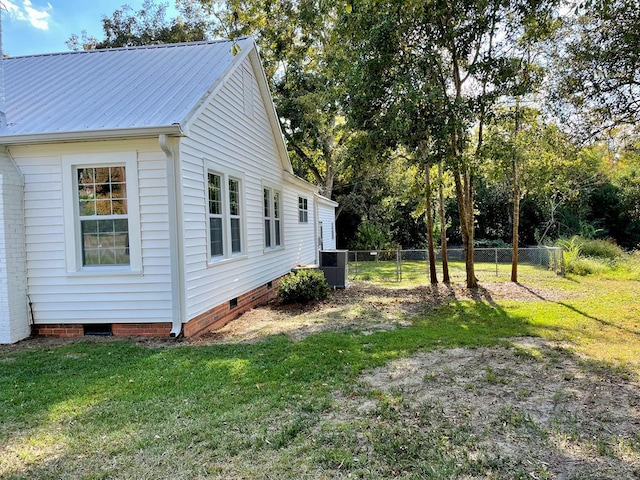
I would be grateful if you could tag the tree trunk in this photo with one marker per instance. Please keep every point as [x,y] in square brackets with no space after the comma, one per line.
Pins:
[516,205]
[472,281]
[443,228]
[465,201]
[516,222]
[429,214]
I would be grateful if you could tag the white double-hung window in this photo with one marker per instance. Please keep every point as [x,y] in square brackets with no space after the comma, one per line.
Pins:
[101,212]
[225,207]
[103,215]
[272,203]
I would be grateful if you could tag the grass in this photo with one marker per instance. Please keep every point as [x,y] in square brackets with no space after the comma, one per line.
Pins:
[416,272]
[119,409]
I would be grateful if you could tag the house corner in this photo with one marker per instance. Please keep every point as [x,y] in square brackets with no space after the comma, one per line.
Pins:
[14,317]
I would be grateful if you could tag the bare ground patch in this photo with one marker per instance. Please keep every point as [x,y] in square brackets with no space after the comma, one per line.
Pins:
[364,307]
[529,409]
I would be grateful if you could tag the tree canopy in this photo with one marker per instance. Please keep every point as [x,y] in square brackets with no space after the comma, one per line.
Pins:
[374,95]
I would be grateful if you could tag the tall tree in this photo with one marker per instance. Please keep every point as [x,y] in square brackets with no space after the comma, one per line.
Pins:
[597,65]
[147,26]
[443,225]
[301,54]
[440,68]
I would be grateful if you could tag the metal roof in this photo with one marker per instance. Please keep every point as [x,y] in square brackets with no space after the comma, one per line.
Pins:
[113,89]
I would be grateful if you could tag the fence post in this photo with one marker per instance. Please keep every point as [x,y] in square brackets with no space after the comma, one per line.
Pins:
[398,266]
[356,274]
[496,255]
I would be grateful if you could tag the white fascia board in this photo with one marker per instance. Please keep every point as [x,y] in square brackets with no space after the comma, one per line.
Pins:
[87,135]
[326,201]
[300,182]
[213,90]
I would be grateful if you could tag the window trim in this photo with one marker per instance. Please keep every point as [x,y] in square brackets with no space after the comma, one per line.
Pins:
[71,214]
[273,190]
[226,175]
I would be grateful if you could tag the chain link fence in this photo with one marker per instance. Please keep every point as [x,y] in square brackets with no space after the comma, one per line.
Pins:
[413,265]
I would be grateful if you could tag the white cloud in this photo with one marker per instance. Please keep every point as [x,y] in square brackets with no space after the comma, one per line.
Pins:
[38,17]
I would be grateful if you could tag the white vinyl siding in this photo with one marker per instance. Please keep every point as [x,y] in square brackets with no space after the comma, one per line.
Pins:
[14,320]
[326,217]
[224,139]
[96,294]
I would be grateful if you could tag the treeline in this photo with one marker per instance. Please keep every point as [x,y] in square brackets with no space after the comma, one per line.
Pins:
[464,121]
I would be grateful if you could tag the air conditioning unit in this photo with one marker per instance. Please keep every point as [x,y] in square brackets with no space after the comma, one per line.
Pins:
[334,265]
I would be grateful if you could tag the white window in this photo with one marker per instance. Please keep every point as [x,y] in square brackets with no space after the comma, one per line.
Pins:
[303,210]
[101,213]
[272,217]
[216,235]
[225,209]
[277,214]
[234,216]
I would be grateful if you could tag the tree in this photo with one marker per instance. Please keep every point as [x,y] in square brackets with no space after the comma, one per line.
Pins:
[301,56]
[147,26]
[596,57]
[441,67]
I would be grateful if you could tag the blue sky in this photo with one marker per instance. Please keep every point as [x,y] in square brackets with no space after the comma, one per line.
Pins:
[40,26]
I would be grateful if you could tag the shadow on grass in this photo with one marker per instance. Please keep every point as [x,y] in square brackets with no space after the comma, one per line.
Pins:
[583,313]
[120,398]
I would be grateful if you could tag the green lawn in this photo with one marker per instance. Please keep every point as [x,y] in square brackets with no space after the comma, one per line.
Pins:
[98,409]
[415,272]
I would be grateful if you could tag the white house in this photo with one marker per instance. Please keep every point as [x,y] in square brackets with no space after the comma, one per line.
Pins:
[146,191]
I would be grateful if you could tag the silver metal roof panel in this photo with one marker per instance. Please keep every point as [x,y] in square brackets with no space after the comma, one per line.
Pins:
[109,90]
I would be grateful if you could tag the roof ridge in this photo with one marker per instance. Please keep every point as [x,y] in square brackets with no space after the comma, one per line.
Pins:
[134,47]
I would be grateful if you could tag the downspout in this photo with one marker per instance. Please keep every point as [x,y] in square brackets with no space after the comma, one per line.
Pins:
[175,239]
[316,219]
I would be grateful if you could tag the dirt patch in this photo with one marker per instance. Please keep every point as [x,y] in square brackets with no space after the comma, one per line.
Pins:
[364,307]
[529,406]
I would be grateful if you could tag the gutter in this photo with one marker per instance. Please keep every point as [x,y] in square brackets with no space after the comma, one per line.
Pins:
[86,135]
[175,229]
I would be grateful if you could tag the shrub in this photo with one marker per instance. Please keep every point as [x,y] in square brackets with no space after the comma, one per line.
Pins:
[601,249]
[587,266]
[572,247]
[303,286]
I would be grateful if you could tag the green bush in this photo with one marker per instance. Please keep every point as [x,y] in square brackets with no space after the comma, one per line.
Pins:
[572,248]
[601,249]
[303,286]
[587,266]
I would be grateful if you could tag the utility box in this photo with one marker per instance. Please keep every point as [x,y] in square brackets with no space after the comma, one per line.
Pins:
[334,265]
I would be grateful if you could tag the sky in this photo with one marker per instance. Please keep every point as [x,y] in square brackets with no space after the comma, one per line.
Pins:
[39,26]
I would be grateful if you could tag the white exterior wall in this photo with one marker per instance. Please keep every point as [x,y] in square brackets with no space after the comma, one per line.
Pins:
[327,217]
[14,320]
[233,135]
[62,296]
